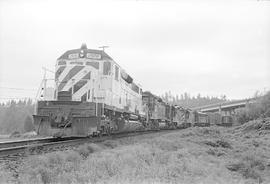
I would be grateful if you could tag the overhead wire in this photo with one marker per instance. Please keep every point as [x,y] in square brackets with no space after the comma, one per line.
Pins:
[11,88]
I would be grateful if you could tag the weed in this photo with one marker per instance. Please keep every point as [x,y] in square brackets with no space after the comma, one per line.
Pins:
[235,166]
[211,143]
[111,143]
[224,144]
[5,175]
[86,149]
[249,166]
[208,131]
[215,152]
[218,143]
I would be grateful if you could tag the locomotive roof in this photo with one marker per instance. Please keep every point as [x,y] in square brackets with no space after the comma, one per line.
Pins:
[148,93]
[103,54]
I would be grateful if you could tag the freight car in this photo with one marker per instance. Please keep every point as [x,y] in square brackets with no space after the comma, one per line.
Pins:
[226,121]
[220,120]
[200,119]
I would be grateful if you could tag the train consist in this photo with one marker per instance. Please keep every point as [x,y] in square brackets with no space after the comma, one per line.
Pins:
[95,96]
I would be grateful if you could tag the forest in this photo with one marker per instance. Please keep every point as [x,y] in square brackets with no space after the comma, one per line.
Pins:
[186,100]
[16,116]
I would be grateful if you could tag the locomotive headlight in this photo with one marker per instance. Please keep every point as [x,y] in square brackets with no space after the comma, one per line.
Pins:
[81,54]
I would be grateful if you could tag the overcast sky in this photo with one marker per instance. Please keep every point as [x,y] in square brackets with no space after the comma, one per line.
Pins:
[208,47]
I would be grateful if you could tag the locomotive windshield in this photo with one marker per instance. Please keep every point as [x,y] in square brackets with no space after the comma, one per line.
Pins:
[62,63]
[106,68]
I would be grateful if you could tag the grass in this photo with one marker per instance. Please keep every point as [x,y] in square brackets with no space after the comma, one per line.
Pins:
[195,155]
[5,175]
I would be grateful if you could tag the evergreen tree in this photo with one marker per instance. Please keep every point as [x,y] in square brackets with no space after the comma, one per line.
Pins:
[28,124]
[13,114]
[186,100]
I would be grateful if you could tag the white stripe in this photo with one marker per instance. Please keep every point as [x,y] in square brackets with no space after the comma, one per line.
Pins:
[81,91]
[64,73]
[75,79]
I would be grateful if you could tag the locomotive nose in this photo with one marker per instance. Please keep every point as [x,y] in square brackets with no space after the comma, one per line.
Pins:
[64,96]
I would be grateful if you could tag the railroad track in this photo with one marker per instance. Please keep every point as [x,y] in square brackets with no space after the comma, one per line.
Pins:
[19,149]
[11,148]
[8,144]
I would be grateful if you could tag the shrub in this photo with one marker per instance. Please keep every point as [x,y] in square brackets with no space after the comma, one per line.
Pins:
[218,143]
[256,110]
[259,125]
[215,152]
[248,166]
[49,167]
[28,124]
[224,144]
[111,143]
[15,134]
[86,149]
[206,131]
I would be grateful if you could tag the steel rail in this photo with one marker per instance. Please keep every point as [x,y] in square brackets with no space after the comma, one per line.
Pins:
[32,149]
[8,144]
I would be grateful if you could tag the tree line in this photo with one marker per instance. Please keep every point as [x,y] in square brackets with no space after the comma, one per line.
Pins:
[186,100]
[16,116]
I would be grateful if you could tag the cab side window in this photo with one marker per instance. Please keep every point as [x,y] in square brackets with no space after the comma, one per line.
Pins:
[116,73]
[106,68]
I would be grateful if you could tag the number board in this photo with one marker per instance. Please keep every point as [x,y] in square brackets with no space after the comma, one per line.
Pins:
[73,56]
[93,56]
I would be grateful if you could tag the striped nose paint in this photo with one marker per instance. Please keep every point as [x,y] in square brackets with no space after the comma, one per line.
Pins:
[59,72]
[69,76]
[82,82]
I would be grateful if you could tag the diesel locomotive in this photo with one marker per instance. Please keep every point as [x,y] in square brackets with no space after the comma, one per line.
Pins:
[94,95]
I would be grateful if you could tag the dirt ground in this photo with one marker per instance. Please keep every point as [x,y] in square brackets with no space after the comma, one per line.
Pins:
[238,154]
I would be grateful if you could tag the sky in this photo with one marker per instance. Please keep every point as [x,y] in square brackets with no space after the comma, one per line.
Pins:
[209,47]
